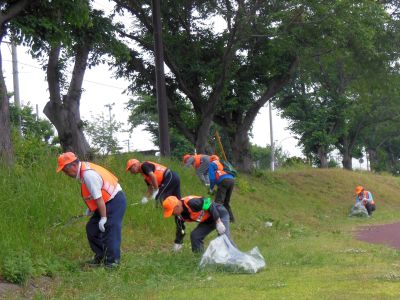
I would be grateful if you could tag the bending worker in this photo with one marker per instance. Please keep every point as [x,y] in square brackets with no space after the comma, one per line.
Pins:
[365,197]
[161,181]
[105,199]
[200,162]
[196,209]
[225,183]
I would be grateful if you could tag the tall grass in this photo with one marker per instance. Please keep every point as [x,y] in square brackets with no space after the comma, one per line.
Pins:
[309,250]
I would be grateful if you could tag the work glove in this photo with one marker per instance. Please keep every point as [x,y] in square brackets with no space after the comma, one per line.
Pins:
[144,200]
[177,247]
[88,212]
[153,196]
[102,222]
[220,227]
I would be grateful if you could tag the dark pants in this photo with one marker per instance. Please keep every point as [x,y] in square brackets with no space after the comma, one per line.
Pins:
[203,229]
[224,193]
[106,245]
[370,208]
[170,186]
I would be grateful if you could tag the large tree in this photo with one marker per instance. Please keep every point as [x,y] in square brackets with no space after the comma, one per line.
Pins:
[356,51]
[9,10]
[64,33]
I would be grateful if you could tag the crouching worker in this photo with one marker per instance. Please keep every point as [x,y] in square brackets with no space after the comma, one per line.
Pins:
[105,199]
[210,216]
[161,181]
[365,197]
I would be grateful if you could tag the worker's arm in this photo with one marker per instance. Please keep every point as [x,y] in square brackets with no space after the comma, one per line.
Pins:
[101,206]
[180,230]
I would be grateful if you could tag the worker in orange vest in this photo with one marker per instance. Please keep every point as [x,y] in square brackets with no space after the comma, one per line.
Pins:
[225,182]
[365,197]
[105,201]
[208,214]
[200,163]
[161,181]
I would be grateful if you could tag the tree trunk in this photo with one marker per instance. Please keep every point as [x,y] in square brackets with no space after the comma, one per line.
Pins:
[323,157]
[346,155]
[373,159]
[241,151]
[63,111]
[6,149]
[202,145]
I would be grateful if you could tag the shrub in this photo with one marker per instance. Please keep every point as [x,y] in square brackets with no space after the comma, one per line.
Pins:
[18,268]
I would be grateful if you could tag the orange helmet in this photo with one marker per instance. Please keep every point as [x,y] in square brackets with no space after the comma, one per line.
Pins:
[359,189]
[186,157]
[65,159]
[168,205]
[130,163]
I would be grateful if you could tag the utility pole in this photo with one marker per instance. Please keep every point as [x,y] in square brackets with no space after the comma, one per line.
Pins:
[17,101]
[272,138]
[160,81]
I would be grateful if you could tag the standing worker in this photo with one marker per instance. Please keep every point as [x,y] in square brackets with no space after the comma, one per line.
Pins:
[225,183]
[161,181]
[210,216]
[201,163]
[105,199]
[365,197]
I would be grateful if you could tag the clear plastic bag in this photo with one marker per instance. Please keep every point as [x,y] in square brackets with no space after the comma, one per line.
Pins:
[221,253]
[358,210]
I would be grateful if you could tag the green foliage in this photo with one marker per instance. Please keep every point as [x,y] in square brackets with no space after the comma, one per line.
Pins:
[31,126]
[17,267]
[103,132]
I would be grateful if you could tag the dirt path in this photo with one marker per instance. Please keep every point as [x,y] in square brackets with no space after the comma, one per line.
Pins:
[387,234]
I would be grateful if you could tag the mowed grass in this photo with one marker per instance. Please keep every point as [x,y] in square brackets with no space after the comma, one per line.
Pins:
[309,250]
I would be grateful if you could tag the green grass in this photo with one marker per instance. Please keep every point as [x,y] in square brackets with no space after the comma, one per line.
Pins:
[309,250]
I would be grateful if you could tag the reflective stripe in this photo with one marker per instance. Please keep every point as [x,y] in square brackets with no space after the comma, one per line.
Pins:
[206,203]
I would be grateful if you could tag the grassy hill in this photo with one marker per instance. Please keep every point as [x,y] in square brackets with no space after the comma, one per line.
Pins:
[309,250]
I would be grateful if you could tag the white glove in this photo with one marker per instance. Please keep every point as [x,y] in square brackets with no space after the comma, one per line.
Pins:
[153,196]
[144,200]
[88,212]
[220,227]
[177,247]
[102,222]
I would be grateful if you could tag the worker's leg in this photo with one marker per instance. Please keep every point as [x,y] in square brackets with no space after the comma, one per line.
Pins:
[112,236]
[224,194]
[370,208]
[198,234]
[95,237]
[170,186]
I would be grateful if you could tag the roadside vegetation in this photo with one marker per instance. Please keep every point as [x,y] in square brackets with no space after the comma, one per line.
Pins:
[309,250]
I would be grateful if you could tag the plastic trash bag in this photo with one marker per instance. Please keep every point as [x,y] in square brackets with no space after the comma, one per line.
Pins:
[358,210]
[221,253]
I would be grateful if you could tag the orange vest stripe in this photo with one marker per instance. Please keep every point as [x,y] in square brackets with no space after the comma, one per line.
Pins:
[110,183]
[197,216]
[366,195]
[197,160]
[220,170]
[159,171]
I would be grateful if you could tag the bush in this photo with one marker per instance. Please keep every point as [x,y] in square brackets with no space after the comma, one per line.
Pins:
[18,268]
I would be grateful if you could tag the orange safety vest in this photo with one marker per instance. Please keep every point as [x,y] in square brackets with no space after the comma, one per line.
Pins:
[110,182]
[366,195]
[159,171]
[220,171]
[197,160]
[196,216]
